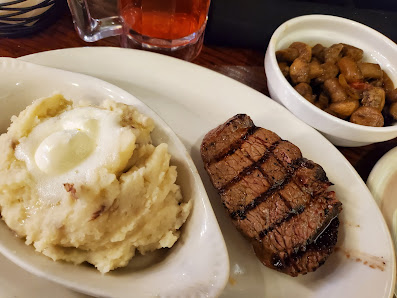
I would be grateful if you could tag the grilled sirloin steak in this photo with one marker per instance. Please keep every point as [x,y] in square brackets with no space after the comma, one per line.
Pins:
[275,197]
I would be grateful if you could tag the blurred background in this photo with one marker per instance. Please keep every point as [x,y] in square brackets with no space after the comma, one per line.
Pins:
[236,23]
[250,23]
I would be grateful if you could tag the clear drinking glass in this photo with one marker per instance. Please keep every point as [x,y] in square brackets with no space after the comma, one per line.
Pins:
[172,27]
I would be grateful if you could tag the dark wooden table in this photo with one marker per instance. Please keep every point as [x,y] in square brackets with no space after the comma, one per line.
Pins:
[244,65]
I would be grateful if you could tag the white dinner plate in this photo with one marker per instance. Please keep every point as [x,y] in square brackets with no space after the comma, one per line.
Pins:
[193,100]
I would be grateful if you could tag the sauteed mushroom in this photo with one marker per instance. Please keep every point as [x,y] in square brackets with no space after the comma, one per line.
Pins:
[374,97]
[287,55]
[335,90]
[330,71]
[368,116]
[323,101]
[315,69]
[370,70]
[318,52]
[352,52]
[299,71]
[344,108]
[304,50]
[284,68]
[305,90]
[333,53]
[349,68]
[335,80]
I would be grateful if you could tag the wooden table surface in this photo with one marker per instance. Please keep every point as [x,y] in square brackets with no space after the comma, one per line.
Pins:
[244,65]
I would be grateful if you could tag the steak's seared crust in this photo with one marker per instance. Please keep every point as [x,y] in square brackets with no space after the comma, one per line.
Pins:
[275,197]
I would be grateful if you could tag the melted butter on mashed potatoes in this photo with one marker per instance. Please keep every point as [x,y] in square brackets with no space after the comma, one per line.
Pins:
[83,183]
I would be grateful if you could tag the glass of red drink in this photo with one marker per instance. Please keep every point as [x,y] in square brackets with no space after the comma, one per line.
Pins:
[172,27]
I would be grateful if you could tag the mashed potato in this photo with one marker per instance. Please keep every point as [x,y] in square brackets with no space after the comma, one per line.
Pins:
[83,183]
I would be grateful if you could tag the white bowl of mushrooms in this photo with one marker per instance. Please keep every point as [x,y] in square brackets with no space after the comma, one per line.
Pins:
[337,75]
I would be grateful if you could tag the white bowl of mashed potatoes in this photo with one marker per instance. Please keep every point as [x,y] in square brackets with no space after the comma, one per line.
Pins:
[101,193]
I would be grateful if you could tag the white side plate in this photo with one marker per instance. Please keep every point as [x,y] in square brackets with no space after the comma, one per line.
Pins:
[382,182]
[197,265]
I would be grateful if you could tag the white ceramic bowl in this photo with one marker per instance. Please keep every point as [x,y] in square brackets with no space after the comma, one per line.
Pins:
[329,30]
[196,266]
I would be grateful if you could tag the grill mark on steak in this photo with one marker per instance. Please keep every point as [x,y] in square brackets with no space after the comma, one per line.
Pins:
[231,131]
[263,216]
[275,187]
[292,213]
[297,209]
[245,190]
[235,146]
[314,255]
[252,150]
[303,229]
[289,206]
[248,170]
[264,232]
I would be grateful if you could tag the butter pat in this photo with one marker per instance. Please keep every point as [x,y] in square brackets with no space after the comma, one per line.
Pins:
[62,151]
